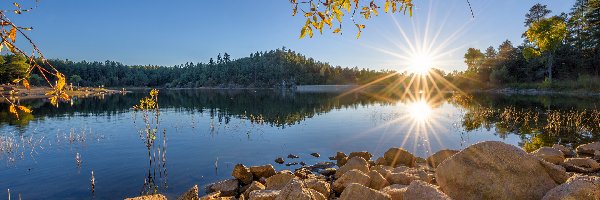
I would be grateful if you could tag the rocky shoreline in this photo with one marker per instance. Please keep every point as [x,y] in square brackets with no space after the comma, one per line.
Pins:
[486,170]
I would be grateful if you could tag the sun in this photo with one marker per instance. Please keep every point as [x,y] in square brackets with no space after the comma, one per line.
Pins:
[420,64]
[420,111]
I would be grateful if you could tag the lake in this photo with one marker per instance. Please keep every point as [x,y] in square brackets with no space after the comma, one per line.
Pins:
[202,134]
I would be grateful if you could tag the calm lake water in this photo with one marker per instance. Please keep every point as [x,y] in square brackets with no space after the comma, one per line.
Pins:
[202,134]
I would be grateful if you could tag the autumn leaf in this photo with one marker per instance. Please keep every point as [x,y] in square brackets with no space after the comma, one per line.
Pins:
[24,109]
[13,34]
[61,82]
[54,101]
[64,96]
[26,83]
[13,109]
[337,30]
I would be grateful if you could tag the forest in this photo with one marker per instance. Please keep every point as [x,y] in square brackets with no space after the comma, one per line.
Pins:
[558,52]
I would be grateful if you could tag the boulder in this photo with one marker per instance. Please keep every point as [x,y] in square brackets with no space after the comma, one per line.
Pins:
[191,194]
[565,150]
[341,161]
[319,186]
[376,180]
[398,156]
[581,165]
[211,196]
[577,187]
[321,165]
[380,161]
[255,185]
[385,171]
[263,195]
[439,157]
[363,154]
[421,174]
[328,171]
[597,155]
[242,173]
[226,187]
[396,191]
[149,197]
[303,173]
[352,176]
[418,190]
[589,148]
[402,178]
[357,163]
[356,191]
[279,160]
[278,181]
[550,154]
[495,170]
[265,171]
[295,190]
[316,155]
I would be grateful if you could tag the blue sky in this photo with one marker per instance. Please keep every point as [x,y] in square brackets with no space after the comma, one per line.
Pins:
[175,32]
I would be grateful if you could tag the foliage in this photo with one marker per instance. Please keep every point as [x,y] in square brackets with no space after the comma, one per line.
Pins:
[547,34]
[319,13]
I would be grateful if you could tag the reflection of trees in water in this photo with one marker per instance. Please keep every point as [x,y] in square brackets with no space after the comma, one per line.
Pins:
[540,121]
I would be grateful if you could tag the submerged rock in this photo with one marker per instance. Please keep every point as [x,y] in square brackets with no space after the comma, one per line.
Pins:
[357,163]
[316,155]
[242,173]
[495,170]
[577,187]
[191,194]
[418,190]
[439,157]
[550,154]
[328,171]
[398,156]
[359,192]
[293,156]
[352,176]
[589,148]
[290,164]
[265,171]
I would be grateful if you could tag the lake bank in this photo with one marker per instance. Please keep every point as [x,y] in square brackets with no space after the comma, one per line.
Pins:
[40,92]
[485,170]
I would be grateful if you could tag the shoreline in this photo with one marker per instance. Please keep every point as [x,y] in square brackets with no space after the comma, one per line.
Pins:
[485,170]
[40,92]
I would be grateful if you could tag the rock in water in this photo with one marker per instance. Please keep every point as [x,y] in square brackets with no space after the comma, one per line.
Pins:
[242,173]
[316,155]
[418,190]
[439,157]
[364,154]
[550,154]
[264,171]
[588,148]
[357,163]
[293,156]
[358,192]
[279,160]
[398,156]
[577,187]
[495,170]
[226,187]
[191,194]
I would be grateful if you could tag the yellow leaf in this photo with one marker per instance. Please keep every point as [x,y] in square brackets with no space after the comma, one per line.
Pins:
[13,34]
[303,32]
[64,96]
[54,101]
[386,8]
[10,46]
[12,109]
[16,80]
[337,30]
[61,82]
[24,109]
[26,83]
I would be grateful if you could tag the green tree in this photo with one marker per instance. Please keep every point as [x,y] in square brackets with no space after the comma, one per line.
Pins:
[473,59]
[546,35]
[16,67]
[75,79]
[536,13]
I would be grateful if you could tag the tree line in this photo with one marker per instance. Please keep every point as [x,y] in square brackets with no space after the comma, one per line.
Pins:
[557,51]
[276,68]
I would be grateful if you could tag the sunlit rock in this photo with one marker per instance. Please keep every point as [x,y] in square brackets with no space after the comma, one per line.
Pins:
[495,170]
[589,148]
[420,190]
[149,197]
[581,165]
[227,187]
[255,185]
[356,191]
[357,163]
[376,180]
[296,190]
[265,171]
[398,156]
[278,181]
[439,157]
[577,187]
[263,195]
[242,173]
[191,194]
[565,150]
[352,176]
[364,154]
[319,186]
[550,154]
[396,191]
[402,178]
